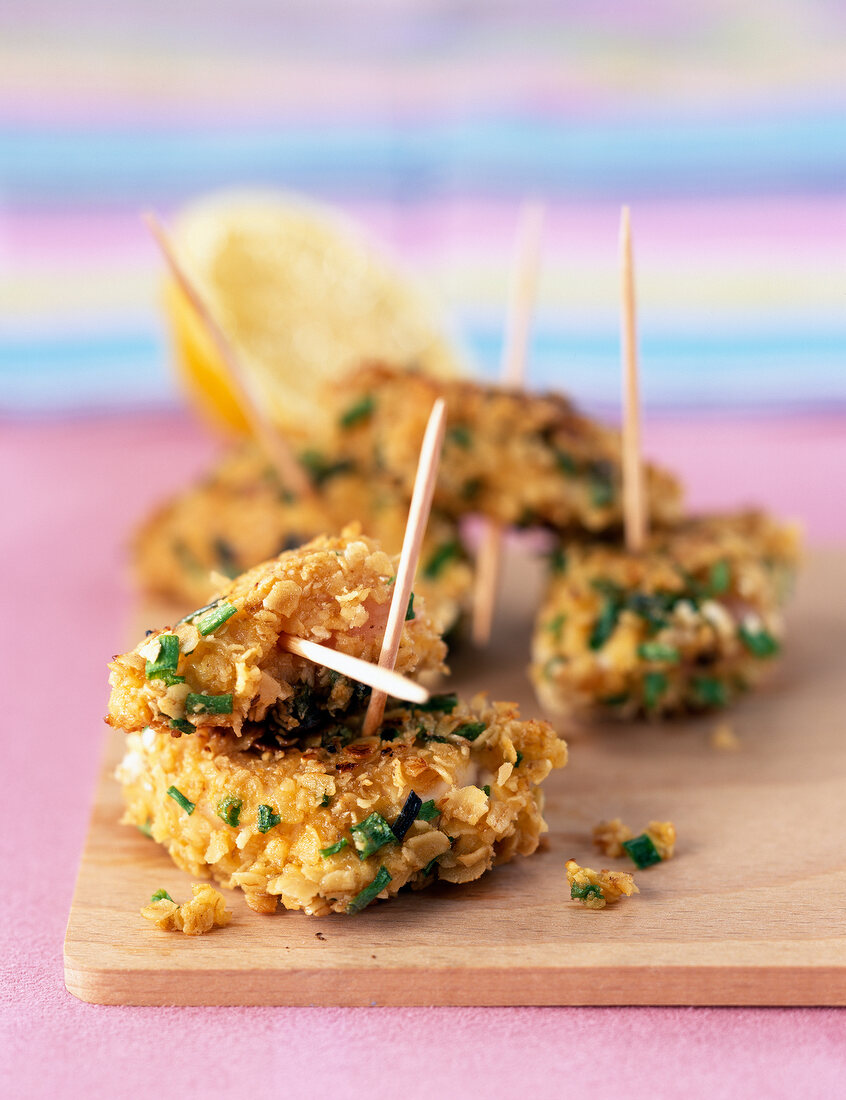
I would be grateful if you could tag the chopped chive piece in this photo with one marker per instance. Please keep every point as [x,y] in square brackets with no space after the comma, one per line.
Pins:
[320,469]
[558,561]
[487,789]
[181,800]
[360,411]
[709,692]
[166,662]
[428,810]
[208,704]
[371,834]
[615,700]
[460,435]
[333,848]
[427,870]
[566,463]
[200,610]
[656,651]
[167,677]
[609,612]
[555,625]
[519,759]
[759,642]
[409,611]
[181,725]
[440,704]
[226,558]
[362,900]
[161,895]
[719,578]
[146,828]
[267,819]
[601,493]
[471,488]
[229,810]
[440,557]
[589,890]
[654,686]
[470,730]
[642,850]
[325,800]
[208,623]
[407,815]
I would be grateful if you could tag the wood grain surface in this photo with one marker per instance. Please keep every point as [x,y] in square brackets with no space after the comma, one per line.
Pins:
[751,911]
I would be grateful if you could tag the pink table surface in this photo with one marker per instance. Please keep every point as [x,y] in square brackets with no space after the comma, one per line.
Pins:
[71,492]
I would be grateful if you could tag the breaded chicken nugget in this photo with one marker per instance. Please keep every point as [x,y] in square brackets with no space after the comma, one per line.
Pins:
[447,791]
[519,458]
[223,666]
[240,515]
[687,625]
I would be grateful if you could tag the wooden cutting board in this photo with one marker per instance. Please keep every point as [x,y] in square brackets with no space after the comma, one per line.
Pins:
[751,911]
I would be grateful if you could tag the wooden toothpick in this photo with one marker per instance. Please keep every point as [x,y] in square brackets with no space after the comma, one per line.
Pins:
[275,447]
[634,492]
[521,300]
[380,679]
[415,528]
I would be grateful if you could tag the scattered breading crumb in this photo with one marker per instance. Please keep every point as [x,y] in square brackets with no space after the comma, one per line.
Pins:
[596,889]
[656,843]
[203,912]
[723,738]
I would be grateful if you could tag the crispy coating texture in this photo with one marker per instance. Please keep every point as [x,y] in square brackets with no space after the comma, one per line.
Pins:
[518,458]
[206,910]
[685,626]
[239,515]
[313,796]
[335,591]
[596,889]
[609,837]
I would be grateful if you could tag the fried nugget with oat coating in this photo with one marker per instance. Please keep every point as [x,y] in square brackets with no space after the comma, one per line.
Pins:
[685,626]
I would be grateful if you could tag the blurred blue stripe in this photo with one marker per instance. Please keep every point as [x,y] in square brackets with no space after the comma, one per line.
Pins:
[661,157]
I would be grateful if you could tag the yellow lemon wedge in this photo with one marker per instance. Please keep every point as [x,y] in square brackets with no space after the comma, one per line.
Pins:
[303,296]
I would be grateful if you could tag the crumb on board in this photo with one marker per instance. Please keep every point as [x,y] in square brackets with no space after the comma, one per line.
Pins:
[204,911]
[655,844]
[596,889]
[723,738]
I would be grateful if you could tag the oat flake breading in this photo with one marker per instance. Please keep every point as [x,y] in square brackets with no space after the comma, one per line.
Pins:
[239,515]
[687,625]
[610,837]
[223,668]
[297,825]
[596,889]
[518,458]
[206,910]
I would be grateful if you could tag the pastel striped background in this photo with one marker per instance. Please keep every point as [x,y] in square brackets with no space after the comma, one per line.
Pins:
[723,124]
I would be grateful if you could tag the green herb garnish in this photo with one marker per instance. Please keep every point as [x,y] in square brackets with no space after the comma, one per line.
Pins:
[161,895]
[325,800]
[181,725]
[181,800]
[471,488]
[588,890]
[709,692]
[566,463]
[556,624]
[487,790]
[427,870]
[440,557]
[208,623]
[333,848]
[409,611]
[657,651]
[428,810]
[267,819]
[371,834]
[719,578]
[609,613]
[360,411]
[362,900]
[165,664]
[208,704]
[519,759]
[146,828]
[760,642]
[320,469]
[642,850]
[407,815]
[470,730]
[440,704]
[655,685]
[229,810]
[558,560]
[460,435]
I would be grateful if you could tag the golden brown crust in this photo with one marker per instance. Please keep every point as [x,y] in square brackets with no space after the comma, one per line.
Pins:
[518,458]
[316,795]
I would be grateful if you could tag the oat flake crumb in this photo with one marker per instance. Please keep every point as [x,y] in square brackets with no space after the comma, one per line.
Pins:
[203,912]
[596,889]
[723,738]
